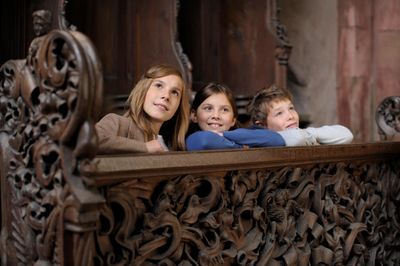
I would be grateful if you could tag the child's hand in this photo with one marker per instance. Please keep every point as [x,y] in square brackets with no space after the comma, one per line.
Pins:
[154,146]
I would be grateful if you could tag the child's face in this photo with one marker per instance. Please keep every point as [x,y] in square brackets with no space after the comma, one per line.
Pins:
[163,98]
[282,115]
[214,114]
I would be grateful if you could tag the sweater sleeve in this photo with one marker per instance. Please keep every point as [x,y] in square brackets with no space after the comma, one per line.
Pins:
[113,131]
[207,140]
[297,137]
[255,137]
[333,134]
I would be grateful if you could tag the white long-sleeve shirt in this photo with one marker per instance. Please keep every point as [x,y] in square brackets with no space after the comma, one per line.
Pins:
[332,134]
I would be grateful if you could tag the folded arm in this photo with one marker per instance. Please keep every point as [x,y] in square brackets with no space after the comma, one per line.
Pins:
[207,140]
[332,134]
[111,137]
[255,137]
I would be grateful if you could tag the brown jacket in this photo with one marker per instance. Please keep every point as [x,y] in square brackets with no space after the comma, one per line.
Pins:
[118,134]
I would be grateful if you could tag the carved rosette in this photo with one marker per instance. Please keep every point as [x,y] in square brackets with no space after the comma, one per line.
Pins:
[328,214]
[50,135]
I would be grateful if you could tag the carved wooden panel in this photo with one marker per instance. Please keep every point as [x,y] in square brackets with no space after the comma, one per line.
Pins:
[334,205]
[48,104]
[326,214]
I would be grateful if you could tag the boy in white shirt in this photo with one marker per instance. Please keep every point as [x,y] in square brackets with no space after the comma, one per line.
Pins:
[272,108]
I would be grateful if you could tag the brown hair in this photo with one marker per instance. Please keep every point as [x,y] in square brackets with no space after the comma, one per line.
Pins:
[259,106]
[178,124]
[212,88]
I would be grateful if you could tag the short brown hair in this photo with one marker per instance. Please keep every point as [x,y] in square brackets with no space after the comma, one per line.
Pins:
[260,105]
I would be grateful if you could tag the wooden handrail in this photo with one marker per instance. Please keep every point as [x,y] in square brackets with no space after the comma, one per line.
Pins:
[108,170]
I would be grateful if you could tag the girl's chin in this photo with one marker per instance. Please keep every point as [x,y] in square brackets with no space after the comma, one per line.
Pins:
[216,131]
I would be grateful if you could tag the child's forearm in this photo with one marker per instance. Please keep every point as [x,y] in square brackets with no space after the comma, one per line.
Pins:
[207,140]
[332,134]
[255,137]
[298,137]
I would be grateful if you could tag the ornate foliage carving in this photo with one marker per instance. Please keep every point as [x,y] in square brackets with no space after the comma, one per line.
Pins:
[330,214]
[47,108]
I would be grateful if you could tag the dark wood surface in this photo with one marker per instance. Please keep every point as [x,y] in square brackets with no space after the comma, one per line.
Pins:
[271,206]
[234,42]
[118,168]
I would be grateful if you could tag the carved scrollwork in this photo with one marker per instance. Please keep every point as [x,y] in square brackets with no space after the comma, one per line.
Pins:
[48,109]
[330,214]
[10,90]
[388,117]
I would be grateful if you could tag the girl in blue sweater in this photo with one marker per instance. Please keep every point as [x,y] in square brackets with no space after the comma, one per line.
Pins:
[214,123]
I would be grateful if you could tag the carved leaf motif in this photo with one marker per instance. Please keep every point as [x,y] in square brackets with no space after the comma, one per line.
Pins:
[297,216]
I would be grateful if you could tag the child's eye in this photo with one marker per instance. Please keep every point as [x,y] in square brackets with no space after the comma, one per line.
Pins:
[207,108]
[278,113]
[226,110]
[175,92]
[158,85]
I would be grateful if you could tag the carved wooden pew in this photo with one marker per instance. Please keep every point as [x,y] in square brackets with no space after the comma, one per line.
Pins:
[63,205]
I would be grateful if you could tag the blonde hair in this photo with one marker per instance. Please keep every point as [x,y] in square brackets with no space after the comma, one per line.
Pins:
[178,124]
[260,105]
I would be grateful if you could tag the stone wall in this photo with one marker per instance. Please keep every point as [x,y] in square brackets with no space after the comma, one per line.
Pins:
[345,59]
[312,30]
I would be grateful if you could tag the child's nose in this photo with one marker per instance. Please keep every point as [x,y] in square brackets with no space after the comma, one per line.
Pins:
[216,115]
[291,115]
[165,95]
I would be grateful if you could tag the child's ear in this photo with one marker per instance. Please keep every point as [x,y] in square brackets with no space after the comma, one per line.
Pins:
[259,123]
[193,116]
[233,122]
